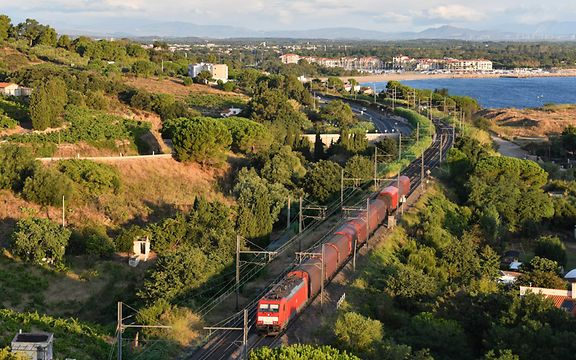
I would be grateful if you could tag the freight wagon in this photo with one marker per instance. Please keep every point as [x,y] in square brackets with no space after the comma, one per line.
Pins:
[288,297]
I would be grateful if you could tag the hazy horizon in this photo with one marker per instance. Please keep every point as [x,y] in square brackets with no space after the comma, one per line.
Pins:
[280,15]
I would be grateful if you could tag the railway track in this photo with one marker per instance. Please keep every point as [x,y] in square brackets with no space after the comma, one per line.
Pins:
[228,343]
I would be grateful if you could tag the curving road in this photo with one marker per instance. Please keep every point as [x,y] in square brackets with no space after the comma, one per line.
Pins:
[385,122]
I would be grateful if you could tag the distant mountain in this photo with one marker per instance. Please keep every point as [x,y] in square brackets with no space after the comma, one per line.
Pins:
[543,31]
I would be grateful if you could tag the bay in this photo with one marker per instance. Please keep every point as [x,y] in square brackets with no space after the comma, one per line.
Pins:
[504,92]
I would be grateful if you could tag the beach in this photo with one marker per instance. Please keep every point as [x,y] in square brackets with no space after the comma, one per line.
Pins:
[421,76]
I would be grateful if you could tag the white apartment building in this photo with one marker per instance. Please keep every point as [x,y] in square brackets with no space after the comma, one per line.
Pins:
[368,63]
[218,71]
[406,63]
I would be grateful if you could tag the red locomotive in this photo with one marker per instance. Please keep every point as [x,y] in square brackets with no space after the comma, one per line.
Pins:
[292,293]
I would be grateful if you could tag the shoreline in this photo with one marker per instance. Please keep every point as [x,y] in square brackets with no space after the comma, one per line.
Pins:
[419,76]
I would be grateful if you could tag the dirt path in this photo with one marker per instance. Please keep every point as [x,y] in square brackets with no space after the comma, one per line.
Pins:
[508,148]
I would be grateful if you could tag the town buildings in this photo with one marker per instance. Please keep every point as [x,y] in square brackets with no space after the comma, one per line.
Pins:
[407,63]
[350,63]
[218,71]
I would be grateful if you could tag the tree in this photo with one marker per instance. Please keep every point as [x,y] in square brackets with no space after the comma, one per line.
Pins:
[501,355]
[193,247]
[338,113]
[335,83]
[300,352]
[359,167]
[30,30]
[38,240]
[273,108]
[47,36]
[248,136]
[199,139]
[322,180]
[358,333]
[513,187]
[284,166]
[47,187]
[6,354]
[389,148]
[143,68]
[47,104]
[259,204]
[5,25]
[541,272]
[427,331]
[569,138]
[552,248]
[16,164]
[64,42]
[203,77]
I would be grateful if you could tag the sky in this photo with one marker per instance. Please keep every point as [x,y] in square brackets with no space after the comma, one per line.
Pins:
[383,15]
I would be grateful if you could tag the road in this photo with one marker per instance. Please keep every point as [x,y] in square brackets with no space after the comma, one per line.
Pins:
[384,122]
[226,344]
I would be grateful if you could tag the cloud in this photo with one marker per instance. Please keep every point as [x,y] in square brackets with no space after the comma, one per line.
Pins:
[454,12]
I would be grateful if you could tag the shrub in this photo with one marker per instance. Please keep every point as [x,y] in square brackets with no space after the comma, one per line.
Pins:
[199,139]
[551,247]
[357,332]
[47,187]
[36,239]
[16,164]
[125,240]
[96,178]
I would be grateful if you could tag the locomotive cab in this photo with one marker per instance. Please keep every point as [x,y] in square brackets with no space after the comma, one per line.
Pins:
[268,316]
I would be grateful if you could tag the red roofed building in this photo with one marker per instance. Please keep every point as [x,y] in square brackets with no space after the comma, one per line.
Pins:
[12,89]
[563,299]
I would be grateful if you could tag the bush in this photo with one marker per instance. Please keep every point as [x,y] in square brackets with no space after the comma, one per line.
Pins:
[16,164]
[48,187]
[357,332]
[96,178]
[38,240]
[248,136]
[124,242]
[300,351]
[199,139]
[188,81]
[551,247]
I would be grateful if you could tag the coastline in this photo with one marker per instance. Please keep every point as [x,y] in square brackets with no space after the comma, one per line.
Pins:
[419,76]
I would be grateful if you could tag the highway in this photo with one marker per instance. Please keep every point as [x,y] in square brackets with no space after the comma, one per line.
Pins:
[226,344]
[384,122]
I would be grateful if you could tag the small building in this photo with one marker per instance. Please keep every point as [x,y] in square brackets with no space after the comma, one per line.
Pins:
[290,58]
[508,277]
[563,299]
[231,112]
[141,250]
[35,346]
[12,89]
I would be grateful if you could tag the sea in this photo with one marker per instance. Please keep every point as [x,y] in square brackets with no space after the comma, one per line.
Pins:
[517,93]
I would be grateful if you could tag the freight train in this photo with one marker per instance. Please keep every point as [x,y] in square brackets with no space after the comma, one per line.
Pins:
[287,298]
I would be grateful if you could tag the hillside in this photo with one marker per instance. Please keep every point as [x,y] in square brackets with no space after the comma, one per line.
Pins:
[542,122]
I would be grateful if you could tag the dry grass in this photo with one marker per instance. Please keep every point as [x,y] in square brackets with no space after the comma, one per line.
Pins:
[171,86]
[550,120]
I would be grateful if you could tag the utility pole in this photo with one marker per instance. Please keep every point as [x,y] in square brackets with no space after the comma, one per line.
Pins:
[63,212]
[422,172]
[441,145]
[342,187]
[367,219]
[453,135]
[399,146]
[238,252]
[120,327]
[245,330]
[237,270]
[300,217]
[375,166]
[323,280]
[418,132]
[288,216]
